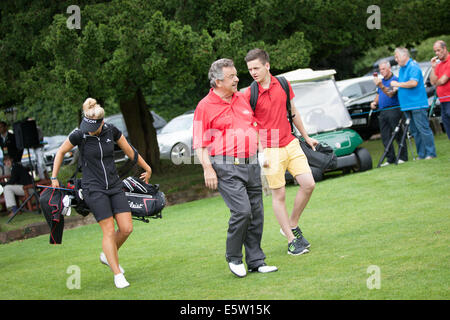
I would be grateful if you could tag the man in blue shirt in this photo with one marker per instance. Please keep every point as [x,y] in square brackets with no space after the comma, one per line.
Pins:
[414,103]
[390,114]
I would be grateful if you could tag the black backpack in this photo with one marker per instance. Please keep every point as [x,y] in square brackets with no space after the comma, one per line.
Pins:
[323,158]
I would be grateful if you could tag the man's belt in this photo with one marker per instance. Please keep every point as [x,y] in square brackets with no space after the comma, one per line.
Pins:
[220,159]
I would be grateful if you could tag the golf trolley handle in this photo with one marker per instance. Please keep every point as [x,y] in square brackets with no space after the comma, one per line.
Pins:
[50,187]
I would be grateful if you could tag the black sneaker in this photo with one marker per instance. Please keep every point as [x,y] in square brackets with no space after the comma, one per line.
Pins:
[298,234]
[296,247]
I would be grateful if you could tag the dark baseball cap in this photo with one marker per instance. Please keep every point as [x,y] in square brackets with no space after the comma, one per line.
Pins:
[90,125]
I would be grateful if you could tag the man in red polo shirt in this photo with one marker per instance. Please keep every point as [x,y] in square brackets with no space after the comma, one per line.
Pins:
[226,142]
[439,77]
[282,149]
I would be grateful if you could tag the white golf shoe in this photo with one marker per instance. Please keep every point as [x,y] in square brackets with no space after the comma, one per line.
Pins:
[237,268]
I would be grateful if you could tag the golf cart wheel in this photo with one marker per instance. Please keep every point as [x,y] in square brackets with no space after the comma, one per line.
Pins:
[364,160]
[317,174]
[180,153]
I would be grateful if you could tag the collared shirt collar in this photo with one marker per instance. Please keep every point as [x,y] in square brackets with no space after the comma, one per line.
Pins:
[216,99]
[409,62]
[392,74]
[273,82]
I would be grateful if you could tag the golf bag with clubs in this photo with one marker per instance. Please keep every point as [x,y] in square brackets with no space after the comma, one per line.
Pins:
[145,200]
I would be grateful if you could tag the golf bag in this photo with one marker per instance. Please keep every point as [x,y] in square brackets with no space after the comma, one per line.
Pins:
[51,202]
[145,200]
[322,158]
[77,201]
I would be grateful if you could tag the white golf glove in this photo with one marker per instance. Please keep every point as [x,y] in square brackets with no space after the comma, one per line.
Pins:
[261,159]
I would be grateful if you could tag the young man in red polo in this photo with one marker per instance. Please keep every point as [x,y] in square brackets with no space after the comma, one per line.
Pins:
[226,142]
[282,149]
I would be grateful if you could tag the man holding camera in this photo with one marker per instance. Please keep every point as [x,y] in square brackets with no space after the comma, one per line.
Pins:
[387,102]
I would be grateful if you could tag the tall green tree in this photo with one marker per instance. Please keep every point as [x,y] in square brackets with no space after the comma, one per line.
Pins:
[123,49]
[134,54]
[337,30]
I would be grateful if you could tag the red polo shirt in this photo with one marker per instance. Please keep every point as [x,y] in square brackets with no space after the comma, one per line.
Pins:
[443,92]
[225,128]
[271,114]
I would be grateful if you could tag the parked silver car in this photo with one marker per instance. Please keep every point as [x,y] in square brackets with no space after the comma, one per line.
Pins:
[356,87]
[175,139]
[51,146]
[49,149]
[117,120]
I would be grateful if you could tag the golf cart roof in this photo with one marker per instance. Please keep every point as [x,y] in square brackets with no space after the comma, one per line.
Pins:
[318,100]
[307,74]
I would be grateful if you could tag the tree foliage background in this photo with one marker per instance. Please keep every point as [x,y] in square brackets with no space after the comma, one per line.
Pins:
[132,55]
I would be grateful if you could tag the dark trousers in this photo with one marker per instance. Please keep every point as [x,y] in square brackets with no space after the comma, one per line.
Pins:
[388,120]
[240,187]
[445,116]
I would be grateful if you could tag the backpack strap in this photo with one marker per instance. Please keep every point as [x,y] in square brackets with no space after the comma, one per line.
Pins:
[136,154]
[284,84]
[80,158]
[254,92]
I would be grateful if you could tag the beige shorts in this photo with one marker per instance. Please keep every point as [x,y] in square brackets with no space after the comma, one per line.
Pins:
[290,157]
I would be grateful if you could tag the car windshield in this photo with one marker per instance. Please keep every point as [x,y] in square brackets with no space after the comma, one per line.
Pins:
[351,91]
[320,106]
[178,124]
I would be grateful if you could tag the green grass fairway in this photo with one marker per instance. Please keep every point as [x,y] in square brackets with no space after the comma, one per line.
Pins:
[394,218]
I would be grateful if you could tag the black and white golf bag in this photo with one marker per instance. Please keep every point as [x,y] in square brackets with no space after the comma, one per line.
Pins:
[145,200]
